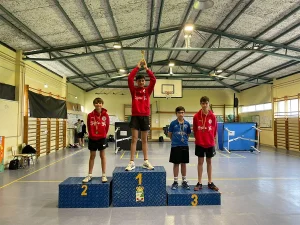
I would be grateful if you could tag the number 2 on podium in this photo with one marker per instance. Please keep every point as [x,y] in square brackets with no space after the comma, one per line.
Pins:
[85,187]
[139,178]
[195,202]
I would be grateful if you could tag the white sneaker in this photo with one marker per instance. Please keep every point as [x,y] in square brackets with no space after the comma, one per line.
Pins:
[148,165]
[87,179]
[130,166]
[104,179]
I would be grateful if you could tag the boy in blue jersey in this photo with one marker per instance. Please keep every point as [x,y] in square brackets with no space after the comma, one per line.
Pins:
[179,132]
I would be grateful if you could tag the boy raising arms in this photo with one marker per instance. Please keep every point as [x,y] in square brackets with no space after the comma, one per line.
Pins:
[140,112]
[205,130]
[98,125]
[179,132]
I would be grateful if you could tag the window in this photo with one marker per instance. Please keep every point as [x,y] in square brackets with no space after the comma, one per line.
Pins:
[254,108]
[293,107]
[268,106]
[281,106]
[287,108]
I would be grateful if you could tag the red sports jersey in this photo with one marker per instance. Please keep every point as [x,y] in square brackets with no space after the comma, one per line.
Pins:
[98,124]
[205,129]
[140,96]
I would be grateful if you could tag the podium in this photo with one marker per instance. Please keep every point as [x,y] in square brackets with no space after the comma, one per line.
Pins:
[139,187]
[75,194]
[183,197]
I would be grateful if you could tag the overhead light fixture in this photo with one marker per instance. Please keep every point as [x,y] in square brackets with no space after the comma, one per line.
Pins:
[76,97]
[45,85]
[203,4]
[188,28]
[117,46]
[255,46]
[171,64]
[122,70]
[219,71]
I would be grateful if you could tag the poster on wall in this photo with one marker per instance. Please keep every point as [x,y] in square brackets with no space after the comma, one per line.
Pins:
[1,153]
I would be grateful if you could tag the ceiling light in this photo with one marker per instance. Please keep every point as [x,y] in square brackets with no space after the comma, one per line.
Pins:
[122,70]
[188,28]
[255,47]
[46,86]
[76,97]
[117,46]
[203,4]
[171,64]
[219,71]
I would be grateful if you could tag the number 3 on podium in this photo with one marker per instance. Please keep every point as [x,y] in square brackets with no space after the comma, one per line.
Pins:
[195,202]
[85,187]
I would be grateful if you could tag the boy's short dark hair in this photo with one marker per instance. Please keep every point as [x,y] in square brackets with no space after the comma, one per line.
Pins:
[98,100]
[140,76]
[204,99]
[179,108]
[81,120]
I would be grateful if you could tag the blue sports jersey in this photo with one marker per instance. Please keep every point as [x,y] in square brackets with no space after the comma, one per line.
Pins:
[179,132]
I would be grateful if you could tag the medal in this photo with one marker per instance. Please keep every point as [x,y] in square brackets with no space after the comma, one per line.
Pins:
[182,139]
[203,123]
[96,123]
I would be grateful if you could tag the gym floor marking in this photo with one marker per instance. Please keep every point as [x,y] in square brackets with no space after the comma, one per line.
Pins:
[17,180]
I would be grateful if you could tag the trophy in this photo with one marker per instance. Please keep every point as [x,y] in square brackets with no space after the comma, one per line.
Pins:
[143,61]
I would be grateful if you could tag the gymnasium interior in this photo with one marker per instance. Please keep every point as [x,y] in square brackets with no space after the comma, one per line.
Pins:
[57,56]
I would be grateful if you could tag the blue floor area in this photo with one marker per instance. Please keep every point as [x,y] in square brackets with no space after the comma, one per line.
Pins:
[257,188]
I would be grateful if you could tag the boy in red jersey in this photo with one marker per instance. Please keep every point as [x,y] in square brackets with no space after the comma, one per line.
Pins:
[140,112]
[98,125]
[205,130]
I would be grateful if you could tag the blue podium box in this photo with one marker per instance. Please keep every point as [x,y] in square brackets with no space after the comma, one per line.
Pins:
[183,197]
[75,194]
[139,187]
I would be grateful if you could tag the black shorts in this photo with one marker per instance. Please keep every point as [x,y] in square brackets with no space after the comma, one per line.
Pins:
[95,145]
[140,123]
[205,152]
[179,154]
[80,135]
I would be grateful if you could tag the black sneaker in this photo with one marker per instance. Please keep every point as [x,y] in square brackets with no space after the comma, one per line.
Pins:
[185,185]
[212,186]
[198,187]
[174,185]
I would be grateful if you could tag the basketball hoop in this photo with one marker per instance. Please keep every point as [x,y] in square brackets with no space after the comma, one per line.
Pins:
[168,94]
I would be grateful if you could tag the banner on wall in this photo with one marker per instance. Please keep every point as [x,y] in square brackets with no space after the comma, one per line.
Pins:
[1,153]
[41,106]
[7,91]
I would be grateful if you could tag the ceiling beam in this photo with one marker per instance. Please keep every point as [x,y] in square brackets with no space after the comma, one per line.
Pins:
[158,27]
[188,86]
[181,63]
[97,30]
[294,11]
[169,49]
[150,27]
[66,63]
[195,59]
[79,34]
[188,10]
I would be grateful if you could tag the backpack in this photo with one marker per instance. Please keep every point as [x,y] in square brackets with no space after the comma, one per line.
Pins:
[111,138]
[28,150]
[14,164]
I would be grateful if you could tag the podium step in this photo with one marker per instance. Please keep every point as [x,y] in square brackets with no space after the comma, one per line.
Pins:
[75,194]
[139,187]
[183,197]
